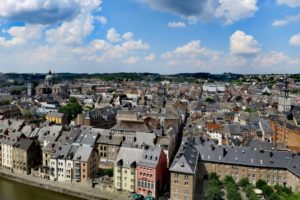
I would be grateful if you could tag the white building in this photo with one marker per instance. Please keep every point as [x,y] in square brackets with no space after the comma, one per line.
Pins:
[215,136]
[212,87]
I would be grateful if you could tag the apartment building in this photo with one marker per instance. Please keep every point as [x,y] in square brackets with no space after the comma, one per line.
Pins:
[86,161]
[151,172]
[26,155]
[184,173]
[58,118]
[125,168]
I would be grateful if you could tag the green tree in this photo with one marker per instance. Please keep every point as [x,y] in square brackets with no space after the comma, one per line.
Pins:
[260,183]
[72,109]
[214,193]
[244,182]
[267,190]
[274,196]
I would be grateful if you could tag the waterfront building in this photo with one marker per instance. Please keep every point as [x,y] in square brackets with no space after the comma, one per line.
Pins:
[86,161]
[151,172]
[125,168]
[26,155]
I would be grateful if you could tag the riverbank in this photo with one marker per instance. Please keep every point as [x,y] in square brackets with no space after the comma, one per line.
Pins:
[78,190]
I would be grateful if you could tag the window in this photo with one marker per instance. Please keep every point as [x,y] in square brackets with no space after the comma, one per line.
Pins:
[175,175]
[186,183]
[186,177]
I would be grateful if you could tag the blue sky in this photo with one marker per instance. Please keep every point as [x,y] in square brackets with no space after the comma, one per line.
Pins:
[170,36]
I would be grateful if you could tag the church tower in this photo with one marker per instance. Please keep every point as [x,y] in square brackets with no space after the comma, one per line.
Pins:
[284,101]
[49,79]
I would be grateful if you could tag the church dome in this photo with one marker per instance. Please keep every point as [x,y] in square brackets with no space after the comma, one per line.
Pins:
[49,76]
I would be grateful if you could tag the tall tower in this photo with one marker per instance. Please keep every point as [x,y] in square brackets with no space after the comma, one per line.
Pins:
[30,89]
[284,100]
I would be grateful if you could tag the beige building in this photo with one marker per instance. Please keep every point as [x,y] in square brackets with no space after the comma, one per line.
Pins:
[86,160]
[26,155]
[184,173]
[124,168]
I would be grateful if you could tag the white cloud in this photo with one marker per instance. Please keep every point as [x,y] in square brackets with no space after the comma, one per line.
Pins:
[71,32]
[101,19]
[231,11]
[276,59]
[132,60]
[112,35]
[290,3]
[243,44]
[295,40]
[127,36]
[150,57]
[176,25]
[286,20]
[22,35]
[75,30]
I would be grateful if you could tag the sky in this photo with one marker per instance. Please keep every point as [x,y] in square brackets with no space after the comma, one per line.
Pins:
[159,36]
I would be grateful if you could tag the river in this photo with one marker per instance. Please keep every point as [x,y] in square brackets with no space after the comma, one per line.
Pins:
[10,190]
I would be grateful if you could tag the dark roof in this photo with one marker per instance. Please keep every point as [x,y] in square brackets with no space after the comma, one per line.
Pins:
[246,156]
[23,144]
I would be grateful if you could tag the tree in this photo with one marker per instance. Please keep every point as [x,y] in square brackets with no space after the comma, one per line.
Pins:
[274,196]
[72,109]
[244,182]
[214,193]
[260,183]
[267,190]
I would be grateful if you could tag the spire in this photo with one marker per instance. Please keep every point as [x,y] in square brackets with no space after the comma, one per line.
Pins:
[50,73]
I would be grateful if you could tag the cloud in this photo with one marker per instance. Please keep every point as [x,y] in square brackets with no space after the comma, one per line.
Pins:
[132,60]
[21,35]
[295,40]
[231,11]
[112,35]
[74,31]
[243,44]
[101,19]
[150,57]
[176,25]
[191,55]
[39,11]
[290,3]
[228,11]
[286,20]
[127,36]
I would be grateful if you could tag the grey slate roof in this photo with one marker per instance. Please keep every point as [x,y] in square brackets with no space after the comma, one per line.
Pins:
[150,157]
[128,157]
[246,156]
[83,153]
[186,159]
[23,143]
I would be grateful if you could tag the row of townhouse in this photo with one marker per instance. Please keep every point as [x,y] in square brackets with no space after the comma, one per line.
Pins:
[197,157]
[143,171]
[73,163]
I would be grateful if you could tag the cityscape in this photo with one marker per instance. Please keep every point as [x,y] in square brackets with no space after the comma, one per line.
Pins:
[150,100]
